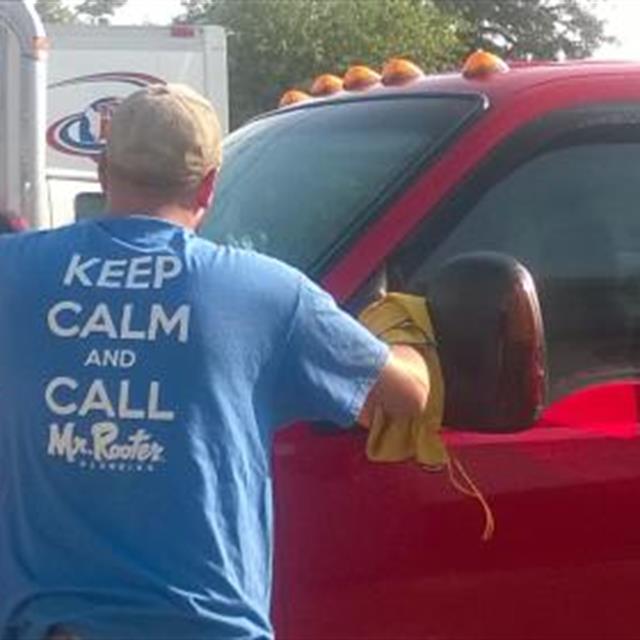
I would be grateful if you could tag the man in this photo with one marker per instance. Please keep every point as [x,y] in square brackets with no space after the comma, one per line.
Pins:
[143,372]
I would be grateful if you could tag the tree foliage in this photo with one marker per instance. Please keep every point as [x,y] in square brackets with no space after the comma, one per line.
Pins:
[93,11]
[98,11]
[54,11]
[276,45]
[530,28]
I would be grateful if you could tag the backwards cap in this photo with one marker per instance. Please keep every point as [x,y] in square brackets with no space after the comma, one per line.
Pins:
[165,137]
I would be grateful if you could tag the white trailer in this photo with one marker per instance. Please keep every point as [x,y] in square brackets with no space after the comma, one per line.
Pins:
[90,70]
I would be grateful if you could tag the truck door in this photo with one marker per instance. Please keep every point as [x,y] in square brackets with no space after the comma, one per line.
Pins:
[375,551]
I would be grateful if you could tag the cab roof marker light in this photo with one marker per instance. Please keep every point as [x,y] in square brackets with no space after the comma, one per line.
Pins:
[183,30]
[398,71]
[293,96]
[325,85]
[482,63]
[359,78]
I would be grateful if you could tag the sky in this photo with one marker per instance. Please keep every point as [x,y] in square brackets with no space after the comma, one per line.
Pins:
[153,11]
[623,17]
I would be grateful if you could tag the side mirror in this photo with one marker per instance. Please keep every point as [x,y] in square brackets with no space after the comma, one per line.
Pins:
[490,336]
[88,205]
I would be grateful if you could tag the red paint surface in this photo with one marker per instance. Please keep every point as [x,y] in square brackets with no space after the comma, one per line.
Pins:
[392,552]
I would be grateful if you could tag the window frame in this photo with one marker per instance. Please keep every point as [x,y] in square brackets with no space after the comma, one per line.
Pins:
[561,129]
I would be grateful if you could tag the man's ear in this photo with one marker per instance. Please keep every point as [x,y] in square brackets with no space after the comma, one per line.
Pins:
[204,195]
[204,198]
[102,171]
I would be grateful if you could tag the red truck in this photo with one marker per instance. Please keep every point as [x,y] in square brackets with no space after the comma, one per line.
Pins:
[385,179]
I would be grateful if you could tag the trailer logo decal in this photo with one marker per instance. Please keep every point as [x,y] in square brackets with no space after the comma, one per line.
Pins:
[84,133]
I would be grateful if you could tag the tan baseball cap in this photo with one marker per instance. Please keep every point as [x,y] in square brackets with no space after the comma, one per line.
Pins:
[164,136]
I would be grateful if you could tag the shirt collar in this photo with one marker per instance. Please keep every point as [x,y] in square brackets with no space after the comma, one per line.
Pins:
[144,229]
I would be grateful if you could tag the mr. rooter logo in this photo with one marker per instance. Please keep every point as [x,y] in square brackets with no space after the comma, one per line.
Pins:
[84,133]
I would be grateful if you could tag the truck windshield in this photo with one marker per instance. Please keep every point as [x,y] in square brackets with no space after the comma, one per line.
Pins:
[297,185]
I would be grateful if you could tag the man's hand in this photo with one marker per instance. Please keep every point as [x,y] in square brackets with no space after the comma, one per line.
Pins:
[402,389]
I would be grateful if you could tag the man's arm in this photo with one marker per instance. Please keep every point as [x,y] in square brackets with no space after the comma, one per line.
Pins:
[333,366]
[402,388]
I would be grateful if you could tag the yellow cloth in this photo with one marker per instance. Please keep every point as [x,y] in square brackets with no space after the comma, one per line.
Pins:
[404,319]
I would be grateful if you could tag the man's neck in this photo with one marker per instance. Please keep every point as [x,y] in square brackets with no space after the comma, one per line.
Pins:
[167,212]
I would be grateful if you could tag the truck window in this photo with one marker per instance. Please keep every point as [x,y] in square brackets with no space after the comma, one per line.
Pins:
[297,185]
[570,214]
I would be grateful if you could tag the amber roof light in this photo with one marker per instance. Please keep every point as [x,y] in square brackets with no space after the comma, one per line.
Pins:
[399,71]
[325,85]
[482,63]
[360,77]
[293,96]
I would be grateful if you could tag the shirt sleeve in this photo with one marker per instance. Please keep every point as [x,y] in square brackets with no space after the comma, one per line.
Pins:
[330,362]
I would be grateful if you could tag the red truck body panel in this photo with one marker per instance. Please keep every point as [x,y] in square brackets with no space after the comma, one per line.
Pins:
[390,551]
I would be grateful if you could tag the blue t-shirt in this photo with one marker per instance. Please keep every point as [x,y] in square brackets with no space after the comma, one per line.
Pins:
[143,373]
